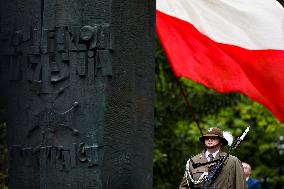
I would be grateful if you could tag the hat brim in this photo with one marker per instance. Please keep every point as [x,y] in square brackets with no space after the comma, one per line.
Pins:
[223,140]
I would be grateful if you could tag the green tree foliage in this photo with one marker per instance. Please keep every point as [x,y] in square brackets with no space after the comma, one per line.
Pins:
[176,133]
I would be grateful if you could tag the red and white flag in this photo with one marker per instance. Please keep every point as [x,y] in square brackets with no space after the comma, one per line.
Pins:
[227,45]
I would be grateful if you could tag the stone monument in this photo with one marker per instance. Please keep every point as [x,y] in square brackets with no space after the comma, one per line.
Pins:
[77,82]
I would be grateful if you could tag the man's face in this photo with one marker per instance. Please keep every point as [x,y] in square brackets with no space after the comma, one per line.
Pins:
[247,169]
[212,142]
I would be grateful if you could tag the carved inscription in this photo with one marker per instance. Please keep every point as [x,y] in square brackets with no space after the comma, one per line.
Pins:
[44,57]
[57,157]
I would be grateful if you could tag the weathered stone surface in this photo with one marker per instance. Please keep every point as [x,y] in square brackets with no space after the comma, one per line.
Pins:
[78,85]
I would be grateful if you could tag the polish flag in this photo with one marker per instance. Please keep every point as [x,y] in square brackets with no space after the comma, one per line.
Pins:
[227,45]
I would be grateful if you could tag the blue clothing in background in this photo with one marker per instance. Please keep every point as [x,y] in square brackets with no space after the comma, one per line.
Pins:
[253,183]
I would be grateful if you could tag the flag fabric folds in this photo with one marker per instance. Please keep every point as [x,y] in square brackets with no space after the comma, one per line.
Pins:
[227,45]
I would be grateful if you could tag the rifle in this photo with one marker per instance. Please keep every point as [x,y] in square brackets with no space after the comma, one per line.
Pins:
[212,175]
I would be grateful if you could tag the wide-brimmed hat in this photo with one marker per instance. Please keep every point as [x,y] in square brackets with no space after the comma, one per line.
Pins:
[214,132]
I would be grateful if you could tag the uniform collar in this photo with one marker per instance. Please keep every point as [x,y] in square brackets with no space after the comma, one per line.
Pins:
[214,154]
[217,156]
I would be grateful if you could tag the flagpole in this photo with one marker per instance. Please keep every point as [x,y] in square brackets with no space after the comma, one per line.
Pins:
[189,106]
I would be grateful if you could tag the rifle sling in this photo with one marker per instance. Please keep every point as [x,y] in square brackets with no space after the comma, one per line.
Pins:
[196,165]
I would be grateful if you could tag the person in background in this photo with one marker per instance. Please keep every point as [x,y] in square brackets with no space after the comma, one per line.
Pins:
[251,182]
[198,166]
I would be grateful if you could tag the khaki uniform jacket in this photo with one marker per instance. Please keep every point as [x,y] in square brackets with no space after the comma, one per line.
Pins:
[230,177]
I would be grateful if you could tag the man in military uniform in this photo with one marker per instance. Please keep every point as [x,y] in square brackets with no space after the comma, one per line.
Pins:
[198,166]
